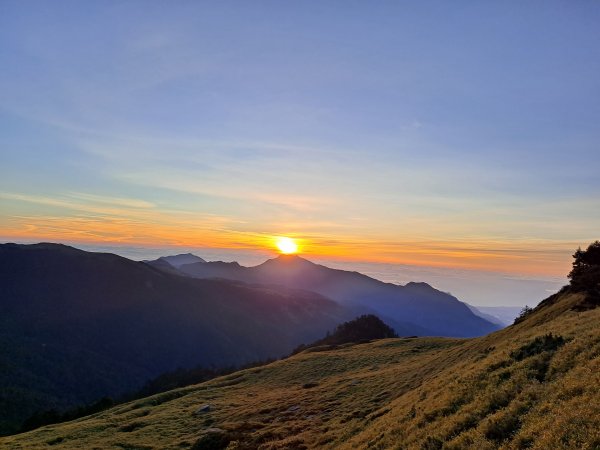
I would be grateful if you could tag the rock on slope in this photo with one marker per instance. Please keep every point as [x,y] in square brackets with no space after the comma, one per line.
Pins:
[531,385]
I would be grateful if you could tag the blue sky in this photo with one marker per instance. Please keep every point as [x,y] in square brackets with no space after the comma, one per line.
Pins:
[455,134]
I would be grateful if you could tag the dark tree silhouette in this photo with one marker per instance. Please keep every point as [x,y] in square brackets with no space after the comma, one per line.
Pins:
[523,314]
[585,275]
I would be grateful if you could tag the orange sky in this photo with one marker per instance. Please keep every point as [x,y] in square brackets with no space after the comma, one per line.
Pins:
[402,133]
[533,257]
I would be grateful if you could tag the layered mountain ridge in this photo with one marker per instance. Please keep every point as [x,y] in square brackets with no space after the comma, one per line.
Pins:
[416,308]
[76,326]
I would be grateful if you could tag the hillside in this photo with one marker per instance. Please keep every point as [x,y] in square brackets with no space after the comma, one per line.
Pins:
[413,309]
[362,329]
[531,385]
[76,326]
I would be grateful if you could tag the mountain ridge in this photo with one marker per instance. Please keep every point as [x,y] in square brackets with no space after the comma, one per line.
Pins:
[430,311]
[76,326]
[180,259]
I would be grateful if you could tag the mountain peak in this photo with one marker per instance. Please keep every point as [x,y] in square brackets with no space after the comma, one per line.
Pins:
[288,260]
[419,285]
[183,258]
[284,257]
[41,246]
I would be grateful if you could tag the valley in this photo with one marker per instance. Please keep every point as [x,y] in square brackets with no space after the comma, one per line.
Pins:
[497,391]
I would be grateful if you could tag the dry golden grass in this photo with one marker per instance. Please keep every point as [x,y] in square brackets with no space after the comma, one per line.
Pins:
[426,393]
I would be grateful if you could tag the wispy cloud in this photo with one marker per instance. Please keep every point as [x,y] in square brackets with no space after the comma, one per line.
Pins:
[198,124]
[127,202]
[83,202]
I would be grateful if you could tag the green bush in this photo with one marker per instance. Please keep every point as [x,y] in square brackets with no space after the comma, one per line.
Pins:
[501,428]
[432,443]
[540,344]
[213,441]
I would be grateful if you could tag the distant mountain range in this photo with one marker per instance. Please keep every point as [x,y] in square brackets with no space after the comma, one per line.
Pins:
[533,384]
[502,315]
[175,261]
[413,309]
[76,326]
[179,260]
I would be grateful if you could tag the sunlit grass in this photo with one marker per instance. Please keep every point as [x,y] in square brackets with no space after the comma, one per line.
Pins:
[513,389]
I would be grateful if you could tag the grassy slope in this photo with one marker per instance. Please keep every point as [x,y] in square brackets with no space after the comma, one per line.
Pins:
[394,393]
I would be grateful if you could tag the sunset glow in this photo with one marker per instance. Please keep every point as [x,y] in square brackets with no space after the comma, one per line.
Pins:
[287,246]
[415,154]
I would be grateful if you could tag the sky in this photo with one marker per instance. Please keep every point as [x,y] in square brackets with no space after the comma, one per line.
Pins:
[435,135]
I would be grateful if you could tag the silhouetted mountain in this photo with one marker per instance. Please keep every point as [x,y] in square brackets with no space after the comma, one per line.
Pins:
[172,263]
[76,326]
[415,308]
[179,260]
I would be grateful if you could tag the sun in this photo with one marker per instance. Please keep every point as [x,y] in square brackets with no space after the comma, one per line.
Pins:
[286,245]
